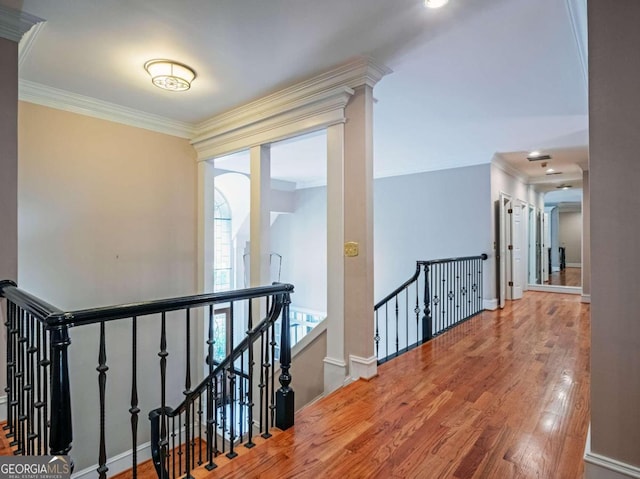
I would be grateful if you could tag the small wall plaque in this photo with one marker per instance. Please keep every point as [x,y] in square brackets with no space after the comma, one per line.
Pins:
[351,249]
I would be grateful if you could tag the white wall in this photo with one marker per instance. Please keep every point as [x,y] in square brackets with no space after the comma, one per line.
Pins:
[416,217]
[433,215]
[301,239]
[571,235]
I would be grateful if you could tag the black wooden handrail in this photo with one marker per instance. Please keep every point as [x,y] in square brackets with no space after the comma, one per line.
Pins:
[229,360]
[419,264]
[56,317]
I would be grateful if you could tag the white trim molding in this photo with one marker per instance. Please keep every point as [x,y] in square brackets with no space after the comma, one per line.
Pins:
[574,265]
[3,408]
[548,288]
[27,42]
[117,464]
[63,100]
[309,105]
[585,298]
[597,466]
[490,304]
[335,374]
[362,368]
[578,16]
[14,23]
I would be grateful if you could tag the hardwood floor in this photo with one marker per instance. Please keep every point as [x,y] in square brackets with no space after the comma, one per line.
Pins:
[504,395]
[566,277]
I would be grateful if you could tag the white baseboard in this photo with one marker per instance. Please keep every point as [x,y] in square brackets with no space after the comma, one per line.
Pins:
[335,374]
[586,298]
[548,288]
[597,466]
[365,368]
[117,464]
[574,265]
[3,408]
[490,304]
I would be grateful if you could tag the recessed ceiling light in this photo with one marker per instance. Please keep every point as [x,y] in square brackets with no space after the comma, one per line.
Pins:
[550,170]
[534,154]
[170,75]
[435,3]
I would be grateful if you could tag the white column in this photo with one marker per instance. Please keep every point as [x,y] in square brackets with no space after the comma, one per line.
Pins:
[335,367]
[206,206]
[358,231]
[260,215]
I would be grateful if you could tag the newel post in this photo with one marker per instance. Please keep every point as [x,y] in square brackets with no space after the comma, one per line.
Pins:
[427,320]
[61,433]
[285,395]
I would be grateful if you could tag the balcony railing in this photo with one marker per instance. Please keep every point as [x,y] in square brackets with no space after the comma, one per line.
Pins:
[438,296]
[236,399]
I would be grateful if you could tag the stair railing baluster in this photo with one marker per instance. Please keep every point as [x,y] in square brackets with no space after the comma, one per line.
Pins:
[397,310]
[261,383]
[102,383]
[163,444]
[134,410]
[272,366]
[39,404]
[200,430]
[232,418]
[9,366]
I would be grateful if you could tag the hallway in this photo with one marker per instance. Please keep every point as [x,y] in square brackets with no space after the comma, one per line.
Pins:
[505,395]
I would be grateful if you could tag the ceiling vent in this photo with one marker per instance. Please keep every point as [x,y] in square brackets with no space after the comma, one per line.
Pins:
[538,157]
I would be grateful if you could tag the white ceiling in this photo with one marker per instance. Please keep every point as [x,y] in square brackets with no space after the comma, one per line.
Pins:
[473,79]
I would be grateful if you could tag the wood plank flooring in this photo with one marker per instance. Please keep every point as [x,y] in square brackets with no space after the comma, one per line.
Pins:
[566,277]
[505,395]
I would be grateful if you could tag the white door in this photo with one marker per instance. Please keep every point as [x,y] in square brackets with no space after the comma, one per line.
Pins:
[516,250]
[504,239]
[546,240]
[532,245]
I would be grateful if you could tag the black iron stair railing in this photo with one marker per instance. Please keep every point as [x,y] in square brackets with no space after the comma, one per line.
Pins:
[218,412]
[440,294]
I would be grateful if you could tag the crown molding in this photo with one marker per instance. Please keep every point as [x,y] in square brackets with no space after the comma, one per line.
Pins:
[27,42]
[319,95]
[577,10]
[508,169]
[63,100]
[319,112]
[14,23]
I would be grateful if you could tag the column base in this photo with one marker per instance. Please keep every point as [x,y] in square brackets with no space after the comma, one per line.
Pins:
[362,368]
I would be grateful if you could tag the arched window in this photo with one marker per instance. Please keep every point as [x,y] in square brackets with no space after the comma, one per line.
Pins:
[223,248]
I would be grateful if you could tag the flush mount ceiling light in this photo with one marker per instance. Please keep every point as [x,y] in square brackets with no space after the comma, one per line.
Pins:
[170,75]
[537,156]
[435,3]
[563,187]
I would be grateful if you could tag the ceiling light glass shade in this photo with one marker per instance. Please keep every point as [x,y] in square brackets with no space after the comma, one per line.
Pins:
[435,3]
[170,75]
